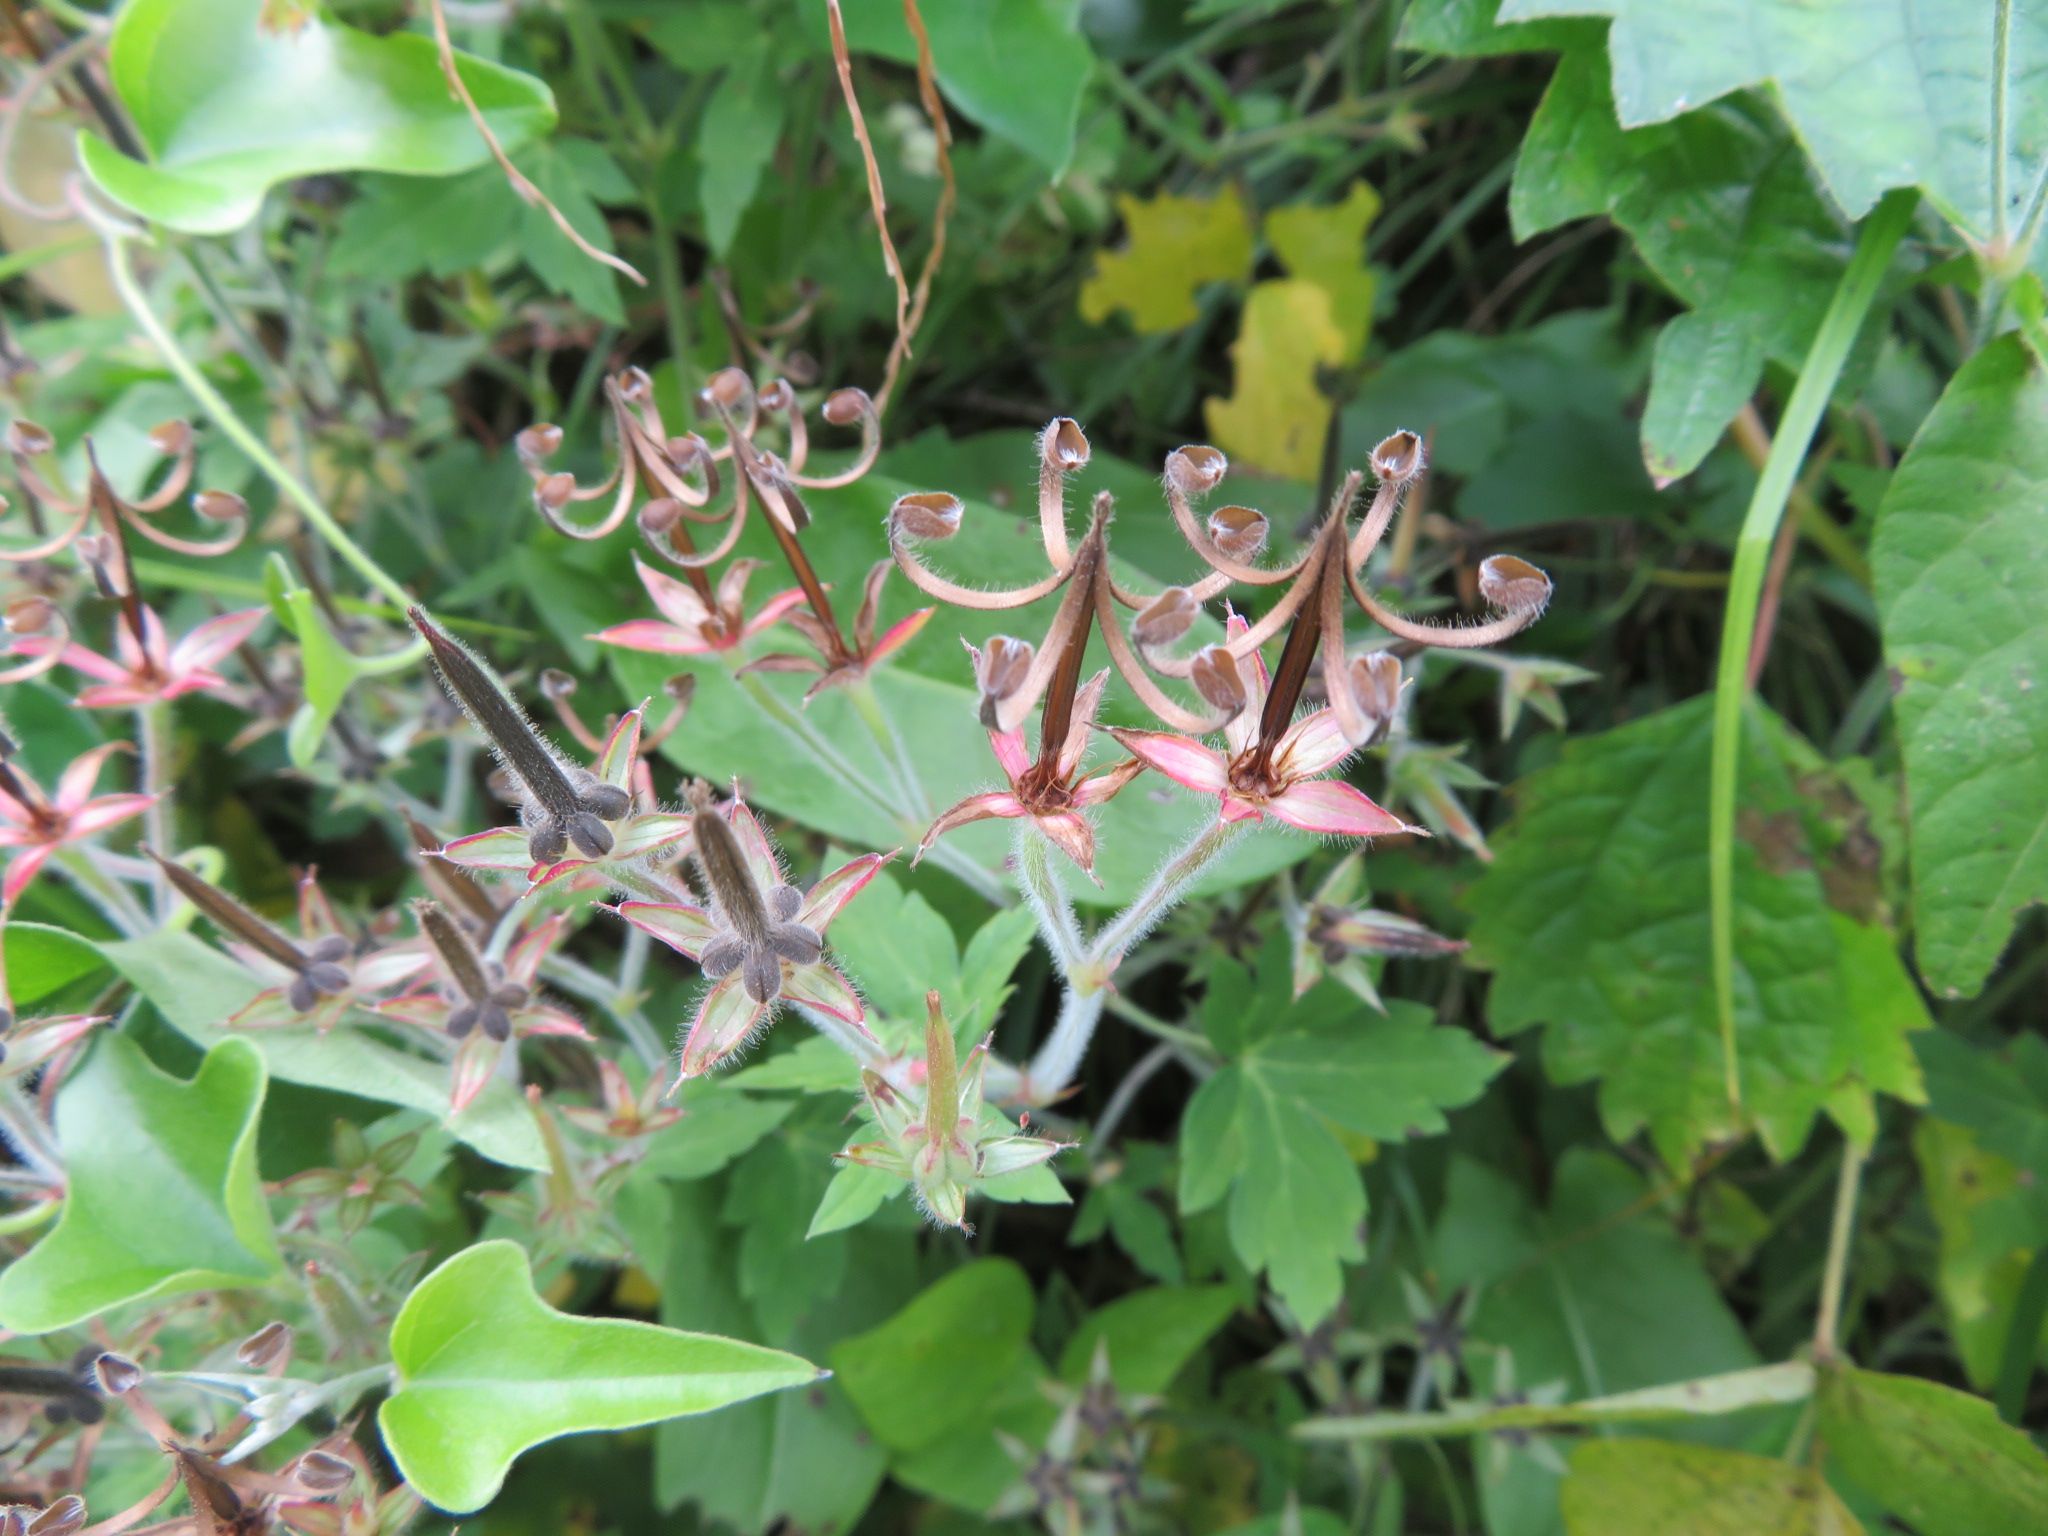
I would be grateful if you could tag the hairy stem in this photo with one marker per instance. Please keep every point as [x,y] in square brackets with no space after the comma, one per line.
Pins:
[1817,377]
[1055,913]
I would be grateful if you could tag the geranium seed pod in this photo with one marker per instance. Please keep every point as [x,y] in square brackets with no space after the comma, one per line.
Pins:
[843,407]
[539,442]
[268,1346]
[116,1374]
[1196,469]
[29,616]
[1216,677]
[1398,458]
[547,843]
[660,514]
[999,671]
[635,385]
[62,1518]
[323,1472]
[28,439]
[926,515]
[593,839]
[220,506]
[1240,532]
[607,801]
[554,491]
[727,387]
[1513,584]
[1376,684]
[171,437]
[1166,618]
[1065,445]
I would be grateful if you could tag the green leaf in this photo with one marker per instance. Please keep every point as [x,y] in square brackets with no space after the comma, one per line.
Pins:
[1993,1219]
[1722,207]
[1585,942]
[1960,540]
[735,142]
[231,97]
[934,1364]
[42,962]
[486,1370]
[162,1194]
[899,947]
[1016,67]
[1470,29]
[195,987]
[1149,1335]
[1939,1459]
[1626,1487]
[1908,104]
[2001,1096]
[855,1193]
[1265,1129]
[573,174]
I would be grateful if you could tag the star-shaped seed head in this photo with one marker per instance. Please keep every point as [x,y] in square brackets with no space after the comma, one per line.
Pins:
[757,930]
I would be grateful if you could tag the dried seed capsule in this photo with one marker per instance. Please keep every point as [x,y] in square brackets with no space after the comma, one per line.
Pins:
[1512,583]
[1240,532]
[1215,674]
[999,671]
[28,439]
[323,1472]
[539,442]
[1376,685]
[1166,618]
[220,506]
[171,437]
[1064,445]
[1398,458]
[266,1347]
[926,515]
[1196,469]
[554,491]
[843,407]
[116,1374]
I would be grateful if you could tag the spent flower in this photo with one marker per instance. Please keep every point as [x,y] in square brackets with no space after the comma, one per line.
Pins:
[39,824]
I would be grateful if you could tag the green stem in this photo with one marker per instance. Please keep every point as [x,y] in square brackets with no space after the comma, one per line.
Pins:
[1841,1235]
[238,432]
[1817,377]
[868,705]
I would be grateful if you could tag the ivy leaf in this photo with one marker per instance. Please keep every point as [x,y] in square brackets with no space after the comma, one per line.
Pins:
[1723,209]
[1623,1487]
[1276,414]
[1939,1459]
[195,987]
[1173,246]
[918,1376]
[1961,538]
[1907,105]
[1266,1130]
[486,1370]
[231,97]
[1593,918]
[162,1194]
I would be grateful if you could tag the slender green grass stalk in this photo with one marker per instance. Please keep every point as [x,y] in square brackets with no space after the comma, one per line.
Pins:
[1875,244]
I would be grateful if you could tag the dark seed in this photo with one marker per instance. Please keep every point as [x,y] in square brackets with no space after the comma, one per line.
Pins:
[593,839]
[797,944]
[762,976]
[547,843]
[605,800]
[462,1021]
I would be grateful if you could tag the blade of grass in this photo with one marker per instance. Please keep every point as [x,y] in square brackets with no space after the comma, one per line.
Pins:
[1875,243]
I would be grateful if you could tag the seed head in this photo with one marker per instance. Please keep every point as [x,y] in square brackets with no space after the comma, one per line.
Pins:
[1513,584]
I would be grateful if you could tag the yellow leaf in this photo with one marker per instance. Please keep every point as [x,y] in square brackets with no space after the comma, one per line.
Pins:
[1174,245]
[1276,415]
[1326,246]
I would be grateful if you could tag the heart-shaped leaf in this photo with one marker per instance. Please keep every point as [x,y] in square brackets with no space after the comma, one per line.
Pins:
[231,97]
[486,1370]
[195,987]
[162,1194]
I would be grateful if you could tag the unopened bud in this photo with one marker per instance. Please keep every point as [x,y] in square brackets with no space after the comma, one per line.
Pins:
[171,437]
[660,514]
[116,1374]
[843,407]
[539,442]
[1166,618]
[220,506]
[1064,445]
[268,1346]
[1215,674]
[1240,532]
[28,439]
[1513,584]
[926,515]
[553,491]
[1376,685]
[29,615]
[999,671]
[1196,469]
[1398,458]
[323,1472]
[60,1519]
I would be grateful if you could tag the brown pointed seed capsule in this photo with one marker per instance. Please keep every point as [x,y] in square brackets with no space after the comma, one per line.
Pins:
[926,515]
[1196,468]
[1216,678]
[539,441]
[1512,583]
[1065,445]
[843,407]
[220,506]
[1398,458]
[1240,532]
[1166,618]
